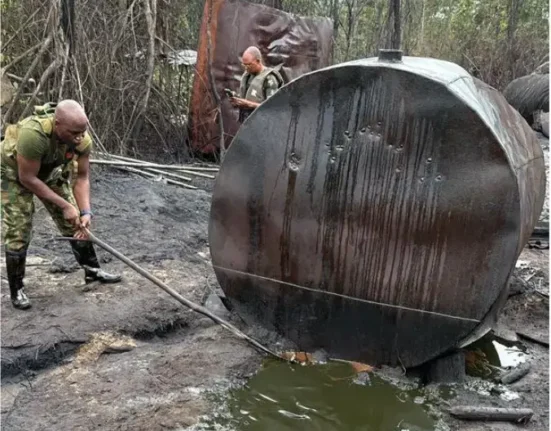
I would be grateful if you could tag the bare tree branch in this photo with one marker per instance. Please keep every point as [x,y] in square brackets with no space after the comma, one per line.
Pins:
[118,40]
[16,60]
[15,101]
[21,28]
[150,8]
[47,73]
[63,72]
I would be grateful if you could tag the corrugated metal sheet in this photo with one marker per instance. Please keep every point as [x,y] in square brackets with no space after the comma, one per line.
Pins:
[301,44]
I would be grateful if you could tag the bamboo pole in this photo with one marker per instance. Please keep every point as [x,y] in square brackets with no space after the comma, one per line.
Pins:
[188,167]
[170,174]
[158,171]
[149,174]
[179,168]
[491,413]
[197,174]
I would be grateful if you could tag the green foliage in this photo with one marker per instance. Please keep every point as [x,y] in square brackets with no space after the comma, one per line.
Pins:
[480,35]
[497,40]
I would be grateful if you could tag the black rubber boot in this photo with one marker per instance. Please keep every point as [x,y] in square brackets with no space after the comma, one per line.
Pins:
[15,269]
[86,257]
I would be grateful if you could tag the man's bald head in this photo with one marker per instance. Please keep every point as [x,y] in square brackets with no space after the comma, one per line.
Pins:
[71,122]
[253,52]
[252,60]
[70,112]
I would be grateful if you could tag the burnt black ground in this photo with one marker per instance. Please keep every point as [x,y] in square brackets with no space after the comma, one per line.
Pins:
[164,229]
[154,225]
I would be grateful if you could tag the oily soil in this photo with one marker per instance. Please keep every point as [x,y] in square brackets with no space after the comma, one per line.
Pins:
[126,355]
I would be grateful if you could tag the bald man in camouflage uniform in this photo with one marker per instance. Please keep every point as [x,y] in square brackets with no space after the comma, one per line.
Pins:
[258,83]
[47,155]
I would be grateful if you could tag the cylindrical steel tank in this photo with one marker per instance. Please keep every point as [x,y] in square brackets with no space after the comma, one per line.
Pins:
[376,209]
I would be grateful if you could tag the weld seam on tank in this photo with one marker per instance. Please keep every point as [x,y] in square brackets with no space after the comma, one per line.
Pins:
[459,78]
[340,295]
[517,168]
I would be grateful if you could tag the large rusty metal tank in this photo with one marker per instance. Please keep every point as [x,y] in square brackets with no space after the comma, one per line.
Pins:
[376,209]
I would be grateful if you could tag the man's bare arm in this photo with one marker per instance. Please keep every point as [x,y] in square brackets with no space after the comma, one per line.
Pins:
[244,103]
[27,172]
[82,183]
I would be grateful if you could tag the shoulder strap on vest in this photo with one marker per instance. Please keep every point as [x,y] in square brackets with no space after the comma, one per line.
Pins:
[44,116]
[280,74]
[243,85]
[262,76]
[265,72]
[45,110]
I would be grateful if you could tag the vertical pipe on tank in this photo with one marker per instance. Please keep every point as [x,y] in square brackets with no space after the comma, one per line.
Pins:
[396,38]
[390,55]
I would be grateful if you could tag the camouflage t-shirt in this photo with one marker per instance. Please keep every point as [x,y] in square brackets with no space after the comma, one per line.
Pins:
[34,144]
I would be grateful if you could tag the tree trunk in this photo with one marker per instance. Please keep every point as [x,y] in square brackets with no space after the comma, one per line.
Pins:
[351,23]
[514,10]
[422,34]
[150,7]
[212,82]
[335,16]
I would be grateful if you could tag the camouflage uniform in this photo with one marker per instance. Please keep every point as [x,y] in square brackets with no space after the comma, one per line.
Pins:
[258,88]
[58,170]
[17,201]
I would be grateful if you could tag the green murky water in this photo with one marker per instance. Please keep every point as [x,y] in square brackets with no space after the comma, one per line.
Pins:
[321,398]
[332,397]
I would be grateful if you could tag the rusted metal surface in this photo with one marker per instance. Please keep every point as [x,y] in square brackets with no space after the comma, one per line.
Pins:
[376,209]
[300,44]
[528,94]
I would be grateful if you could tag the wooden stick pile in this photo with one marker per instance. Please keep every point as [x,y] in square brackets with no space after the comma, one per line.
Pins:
[172,174]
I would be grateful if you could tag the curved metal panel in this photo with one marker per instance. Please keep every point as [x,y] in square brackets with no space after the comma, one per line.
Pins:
[376,209]
[300,44]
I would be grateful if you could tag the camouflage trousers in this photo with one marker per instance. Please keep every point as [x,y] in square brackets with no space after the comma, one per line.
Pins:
[18,206]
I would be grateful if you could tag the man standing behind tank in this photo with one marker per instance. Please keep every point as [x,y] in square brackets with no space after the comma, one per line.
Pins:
[47,155]
[258,83]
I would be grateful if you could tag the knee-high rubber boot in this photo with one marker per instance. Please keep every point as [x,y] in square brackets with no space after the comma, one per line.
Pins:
[86,257]
[15,269]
